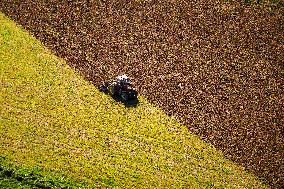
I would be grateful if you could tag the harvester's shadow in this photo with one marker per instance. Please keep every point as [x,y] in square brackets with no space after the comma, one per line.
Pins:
[128,104]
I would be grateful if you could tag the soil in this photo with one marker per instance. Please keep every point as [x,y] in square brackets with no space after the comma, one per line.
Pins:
[215,66]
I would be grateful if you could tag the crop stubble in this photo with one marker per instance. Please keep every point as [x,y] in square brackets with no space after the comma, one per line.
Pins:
[217,67]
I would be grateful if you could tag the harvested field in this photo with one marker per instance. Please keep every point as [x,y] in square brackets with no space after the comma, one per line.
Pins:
[58,131]
[216,67]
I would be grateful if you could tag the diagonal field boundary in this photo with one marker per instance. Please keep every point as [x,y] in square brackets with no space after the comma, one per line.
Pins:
[216,66]
[53,119]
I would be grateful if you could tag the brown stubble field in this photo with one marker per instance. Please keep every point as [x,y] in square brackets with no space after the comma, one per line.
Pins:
[215,66]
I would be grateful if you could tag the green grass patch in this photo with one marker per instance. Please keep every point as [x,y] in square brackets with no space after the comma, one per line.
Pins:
[31,178]
[54,120]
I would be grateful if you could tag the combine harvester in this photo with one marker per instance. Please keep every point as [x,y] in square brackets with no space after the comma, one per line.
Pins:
[121,90]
